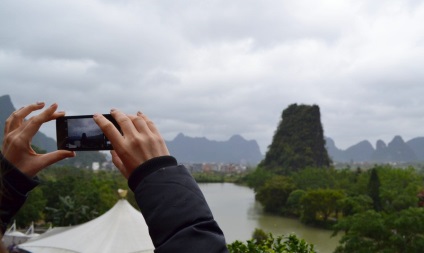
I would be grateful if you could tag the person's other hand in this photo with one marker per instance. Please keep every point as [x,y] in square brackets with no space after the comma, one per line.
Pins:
[18,134]
[140,140]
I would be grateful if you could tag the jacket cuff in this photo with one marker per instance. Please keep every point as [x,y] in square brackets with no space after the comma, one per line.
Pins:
[19,182]
[148,167]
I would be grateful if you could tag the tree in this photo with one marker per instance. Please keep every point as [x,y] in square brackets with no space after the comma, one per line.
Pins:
[273,195]
[351,205]
[319,204]
[293,204]
[298,141]
[32,210]
[408,230]
[374,190]
[371,231]
[66,189]
[259,235]
[315,178]
[71,213]
[399,187]
[257,178]
[364,232]
[279,244]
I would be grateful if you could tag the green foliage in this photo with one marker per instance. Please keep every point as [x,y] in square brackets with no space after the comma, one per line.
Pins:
[320,204]
[407,228]
[219,177]
[202,177]
[378,232]
[315,178]
[374,190]
[293,204]
[259,235]
[33,209]
[274,194]
[351,205]
[69,195]
[347,198]
[279,244]
[70,213]
[354,182]
[258,178]
[365,232]
[396,226]
[298,141]
[399,187]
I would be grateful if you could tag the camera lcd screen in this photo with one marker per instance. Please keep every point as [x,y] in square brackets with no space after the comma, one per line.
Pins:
[81,133]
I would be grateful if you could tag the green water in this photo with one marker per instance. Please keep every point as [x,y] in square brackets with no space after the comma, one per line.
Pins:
[238,214]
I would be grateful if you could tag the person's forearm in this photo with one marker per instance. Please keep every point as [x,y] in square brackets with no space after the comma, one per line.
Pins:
[14,191]
[176,211]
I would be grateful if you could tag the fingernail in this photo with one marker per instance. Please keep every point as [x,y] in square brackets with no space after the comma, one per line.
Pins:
[112,110]
[139,113]
[54,104]
[95,115]
[61,112]
[40,103]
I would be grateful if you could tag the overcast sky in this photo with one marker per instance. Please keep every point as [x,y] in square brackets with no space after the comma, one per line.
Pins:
[218,68]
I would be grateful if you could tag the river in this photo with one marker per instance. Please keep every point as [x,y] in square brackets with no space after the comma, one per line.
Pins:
[238,214]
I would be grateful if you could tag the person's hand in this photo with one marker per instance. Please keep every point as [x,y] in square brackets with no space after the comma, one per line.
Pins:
[140,140]
[18,134]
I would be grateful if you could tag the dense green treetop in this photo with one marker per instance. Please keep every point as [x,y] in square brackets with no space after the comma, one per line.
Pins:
[68,196]
[272,244]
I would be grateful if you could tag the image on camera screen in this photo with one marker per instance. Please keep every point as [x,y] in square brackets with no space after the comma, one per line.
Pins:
[84,133]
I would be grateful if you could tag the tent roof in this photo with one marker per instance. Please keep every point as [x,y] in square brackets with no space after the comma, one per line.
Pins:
[121,229]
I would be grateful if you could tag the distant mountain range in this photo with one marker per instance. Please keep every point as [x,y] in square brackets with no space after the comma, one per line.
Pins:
[199,149]
[397,150]
[185,149]
[239,150]
[83,159]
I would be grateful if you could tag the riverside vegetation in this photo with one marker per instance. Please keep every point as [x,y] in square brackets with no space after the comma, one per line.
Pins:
[376,210]
[69,196]
[319,197]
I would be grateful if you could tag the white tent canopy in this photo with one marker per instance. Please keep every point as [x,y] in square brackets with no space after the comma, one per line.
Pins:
[121,229]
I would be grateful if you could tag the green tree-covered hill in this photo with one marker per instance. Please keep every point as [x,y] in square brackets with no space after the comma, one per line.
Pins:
[298,142]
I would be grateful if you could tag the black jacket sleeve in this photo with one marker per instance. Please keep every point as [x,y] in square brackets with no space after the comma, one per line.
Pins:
[175,210]
[15,187]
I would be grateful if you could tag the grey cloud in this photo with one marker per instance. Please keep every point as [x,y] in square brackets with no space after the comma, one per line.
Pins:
[218,68]
[268,23]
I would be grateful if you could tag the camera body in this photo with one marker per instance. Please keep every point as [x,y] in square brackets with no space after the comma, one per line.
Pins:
[81,133]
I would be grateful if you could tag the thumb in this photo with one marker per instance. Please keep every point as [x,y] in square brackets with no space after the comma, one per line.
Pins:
[56,156]
[46,160]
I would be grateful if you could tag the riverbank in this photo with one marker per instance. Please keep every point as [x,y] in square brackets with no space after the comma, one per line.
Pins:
[217,177]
